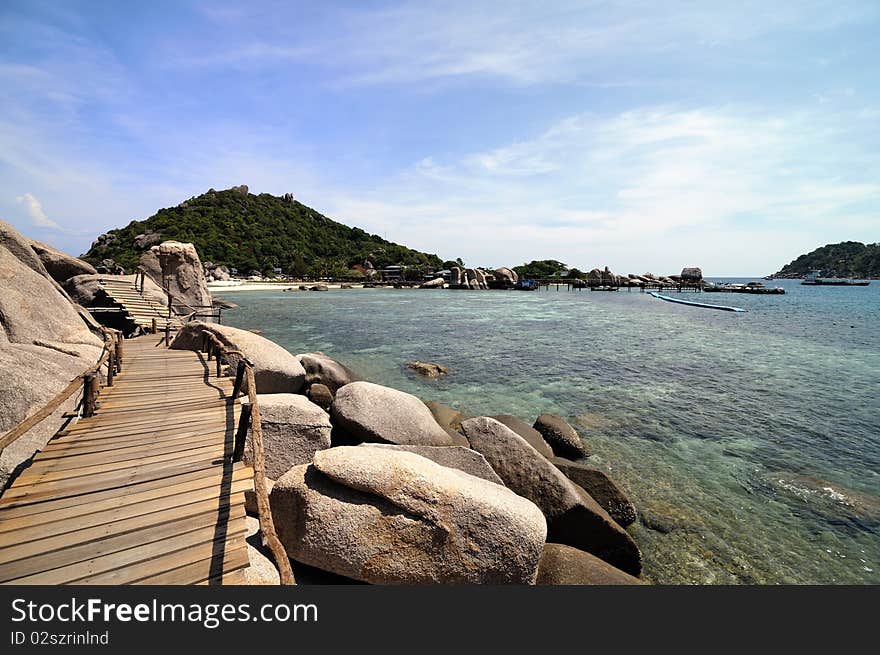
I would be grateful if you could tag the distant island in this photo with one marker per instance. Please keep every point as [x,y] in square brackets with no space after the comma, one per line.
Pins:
[845,259]
[258,233]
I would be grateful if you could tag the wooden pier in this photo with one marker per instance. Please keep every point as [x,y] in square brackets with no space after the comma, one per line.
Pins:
[569,285]
[143,491]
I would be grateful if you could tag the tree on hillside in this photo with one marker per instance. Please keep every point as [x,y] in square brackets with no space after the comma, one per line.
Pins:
[540,268]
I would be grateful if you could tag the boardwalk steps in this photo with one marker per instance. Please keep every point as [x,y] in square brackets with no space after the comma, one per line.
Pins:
[141,309]
[143,492]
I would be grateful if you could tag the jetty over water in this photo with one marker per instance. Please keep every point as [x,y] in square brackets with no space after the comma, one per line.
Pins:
[145,490]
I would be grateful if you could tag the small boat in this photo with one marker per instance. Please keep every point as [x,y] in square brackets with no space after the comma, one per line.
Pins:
[814,278]
[527,285]
[696,304]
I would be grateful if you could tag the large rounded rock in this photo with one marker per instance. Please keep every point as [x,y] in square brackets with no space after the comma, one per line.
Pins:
[60,265]
[507,276]
[446,416]
[455,277]
[32,308]
[561,437]
[573,517]
[275,369]
[450,420]
[436,283]
[527,432]
[321,369]
[428,369]
[391,517]
[294,429]
[371,412]
[564,565]
[44,344]
[176,267]
[601,488]
[456,457]
[321,395]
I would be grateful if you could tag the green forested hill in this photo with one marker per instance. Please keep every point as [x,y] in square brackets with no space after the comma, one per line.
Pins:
[845,259]
[256,232]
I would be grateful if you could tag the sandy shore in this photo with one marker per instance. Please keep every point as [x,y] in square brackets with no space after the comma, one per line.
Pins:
[223,287]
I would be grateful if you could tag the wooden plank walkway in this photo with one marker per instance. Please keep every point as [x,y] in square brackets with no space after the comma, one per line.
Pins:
[143,492]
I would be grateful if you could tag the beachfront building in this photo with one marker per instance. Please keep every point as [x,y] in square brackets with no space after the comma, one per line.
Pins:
[392,273]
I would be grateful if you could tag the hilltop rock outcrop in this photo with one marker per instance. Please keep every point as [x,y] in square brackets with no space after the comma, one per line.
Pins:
[392,517]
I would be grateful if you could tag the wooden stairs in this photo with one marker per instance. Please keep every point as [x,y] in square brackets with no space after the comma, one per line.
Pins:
[140,309]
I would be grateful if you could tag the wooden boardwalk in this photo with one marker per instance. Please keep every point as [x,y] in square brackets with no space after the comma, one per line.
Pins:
[142,492]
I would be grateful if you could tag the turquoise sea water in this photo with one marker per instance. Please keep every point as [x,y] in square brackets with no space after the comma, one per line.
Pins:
[750,443]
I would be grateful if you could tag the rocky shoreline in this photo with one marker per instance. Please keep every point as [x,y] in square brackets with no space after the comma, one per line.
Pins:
[376,485]
[370,484]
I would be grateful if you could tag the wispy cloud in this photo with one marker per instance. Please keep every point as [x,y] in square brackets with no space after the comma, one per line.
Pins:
[590,186]
[34,209]
[523,42]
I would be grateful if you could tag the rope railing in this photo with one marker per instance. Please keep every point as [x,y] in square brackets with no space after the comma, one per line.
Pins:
[111,355]
[251,414]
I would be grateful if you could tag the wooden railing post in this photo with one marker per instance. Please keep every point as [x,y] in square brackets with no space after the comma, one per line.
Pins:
[267,525]
[167,334]
[239,378]
[111,368]
[155,326]
[119,340]
[219,362]
[244,422]
[90,394]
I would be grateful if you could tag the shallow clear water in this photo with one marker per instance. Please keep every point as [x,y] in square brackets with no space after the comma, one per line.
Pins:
[750,443]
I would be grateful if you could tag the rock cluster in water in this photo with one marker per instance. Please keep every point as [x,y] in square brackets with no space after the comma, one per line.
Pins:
[375,485]
[478,278]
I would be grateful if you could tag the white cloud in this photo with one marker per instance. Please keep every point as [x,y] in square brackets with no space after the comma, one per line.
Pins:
[650,188]
[523,42]
[35,211]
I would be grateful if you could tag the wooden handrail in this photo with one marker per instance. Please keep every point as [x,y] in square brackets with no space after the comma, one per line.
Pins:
[264,513]
[49,408]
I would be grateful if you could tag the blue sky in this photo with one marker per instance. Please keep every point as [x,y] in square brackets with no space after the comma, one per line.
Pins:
[641,135]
